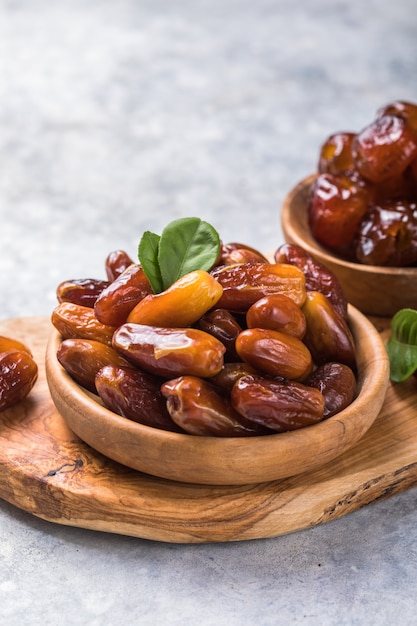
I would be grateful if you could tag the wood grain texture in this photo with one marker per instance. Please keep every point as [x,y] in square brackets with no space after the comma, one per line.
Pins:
[226,460]
[47,471]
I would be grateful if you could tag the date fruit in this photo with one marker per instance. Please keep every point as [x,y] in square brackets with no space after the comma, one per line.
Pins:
[384,148]
[18,374]
[197,408]
[74,320]
[387,235]
[277,312]
[274,353]
[83,358]
[337,383]
[223,325]
[182,304]
[328,336]
[318,276]
[83,291]
[279,406]
[244,283]
[170,352]
[135,395]
[115,302]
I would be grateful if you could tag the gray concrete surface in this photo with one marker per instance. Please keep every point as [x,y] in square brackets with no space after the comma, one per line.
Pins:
[116,117]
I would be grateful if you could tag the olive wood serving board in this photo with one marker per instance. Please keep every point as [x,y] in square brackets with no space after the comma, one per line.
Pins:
[47,471]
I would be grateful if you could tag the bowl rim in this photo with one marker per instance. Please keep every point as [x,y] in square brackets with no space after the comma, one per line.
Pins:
[312,246]
[349,425]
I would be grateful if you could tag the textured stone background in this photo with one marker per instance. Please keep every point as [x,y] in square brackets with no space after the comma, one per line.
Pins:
[117,116]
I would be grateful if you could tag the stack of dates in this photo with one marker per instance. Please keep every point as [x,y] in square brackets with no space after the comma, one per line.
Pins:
[249,348]
[363,204]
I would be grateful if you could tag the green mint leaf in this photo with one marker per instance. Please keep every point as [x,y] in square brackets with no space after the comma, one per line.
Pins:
[148,258]
[402,345]
[186,244]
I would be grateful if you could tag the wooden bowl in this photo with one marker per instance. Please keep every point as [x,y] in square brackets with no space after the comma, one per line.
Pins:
[225,461]
[372,289]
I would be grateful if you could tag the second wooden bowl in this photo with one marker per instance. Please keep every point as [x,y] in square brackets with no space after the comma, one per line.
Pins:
[226,461]
[372,289]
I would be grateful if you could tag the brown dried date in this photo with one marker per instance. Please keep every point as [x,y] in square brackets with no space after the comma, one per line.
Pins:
[74,320]
[279,406]
[336,154]
[170,352]
[277,312]
[83,291]
[135,395]
[18,374]
[223,325]
[318,276]
[274,353]
[230,373]
[244,283]
[387,235]
[83,358]
[116,263]
[328,336]
[384,148]
[337,383]
[197,408]
[115,302]
[231,253]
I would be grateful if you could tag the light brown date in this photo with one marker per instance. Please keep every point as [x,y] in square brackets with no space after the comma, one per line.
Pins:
[197,408]
[223,325]
[170,352]
[245,283]
[84,291]
[318,277]
[231,253]
[337,383]
[116,263]
[280,406]
[74,320]
[277,312]
[328,336]
[135,395]
[115,302]
[182,304]
[83,358]
[9,343]
[274,353]
[18,374]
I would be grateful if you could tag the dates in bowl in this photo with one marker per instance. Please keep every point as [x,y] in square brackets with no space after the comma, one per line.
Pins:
[358,214]
[234,369]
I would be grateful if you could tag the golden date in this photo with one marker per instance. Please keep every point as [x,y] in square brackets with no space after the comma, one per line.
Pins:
[74,320]
[182,304]
[83,358]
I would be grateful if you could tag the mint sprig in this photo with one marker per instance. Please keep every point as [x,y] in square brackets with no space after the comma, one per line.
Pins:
[185,245]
